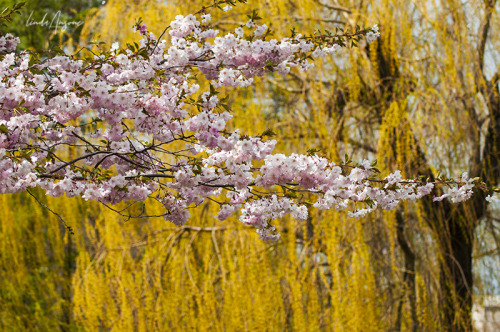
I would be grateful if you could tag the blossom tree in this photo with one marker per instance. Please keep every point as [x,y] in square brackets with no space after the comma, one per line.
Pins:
[135,124]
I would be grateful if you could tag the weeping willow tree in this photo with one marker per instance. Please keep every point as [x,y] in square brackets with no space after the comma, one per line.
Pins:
[423,99]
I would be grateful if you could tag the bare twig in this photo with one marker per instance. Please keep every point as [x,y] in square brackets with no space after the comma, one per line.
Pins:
[54,213]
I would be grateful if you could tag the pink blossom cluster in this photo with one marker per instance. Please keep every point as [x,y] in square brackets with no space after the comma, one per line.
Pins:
[461,193]
[133,124]
[8,43]
[371,36]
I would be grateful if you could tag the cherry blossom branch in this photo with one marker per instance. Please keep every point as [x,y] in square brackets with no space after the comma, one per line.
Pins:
[136,125]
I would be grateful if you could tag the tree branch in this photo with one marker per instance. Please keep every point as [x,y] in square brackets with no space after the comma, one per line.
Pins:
[483,34]
[336,8]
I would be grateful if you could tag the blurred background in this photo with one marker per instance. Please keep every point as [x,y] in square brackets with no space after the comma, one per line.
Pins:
[422,99]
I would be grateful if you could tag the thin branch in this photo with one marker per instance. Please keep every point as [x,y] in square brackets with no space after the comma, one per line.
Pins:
[336,8]
[83,139]
[54,213]
[127,217]
[159,38]
[77,159]
[324,20]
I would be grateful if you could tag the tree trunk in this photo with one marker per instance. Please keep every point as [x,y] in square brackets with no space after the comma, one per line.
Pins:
[455,280]
[408,276]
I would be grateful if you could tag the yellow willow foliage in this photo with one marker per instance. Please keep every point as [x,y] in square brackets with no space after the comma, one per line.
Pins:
[35,280]
[115,20]
[148,275]
[331,273]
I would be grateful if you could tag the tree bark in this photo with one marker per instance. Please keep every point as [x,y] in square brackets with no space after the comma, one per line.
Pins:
[455,238]
[408,275]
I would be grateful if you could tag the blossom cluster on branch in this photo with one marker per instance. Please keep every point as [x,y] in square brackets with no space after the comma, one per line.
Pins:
[133,123]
